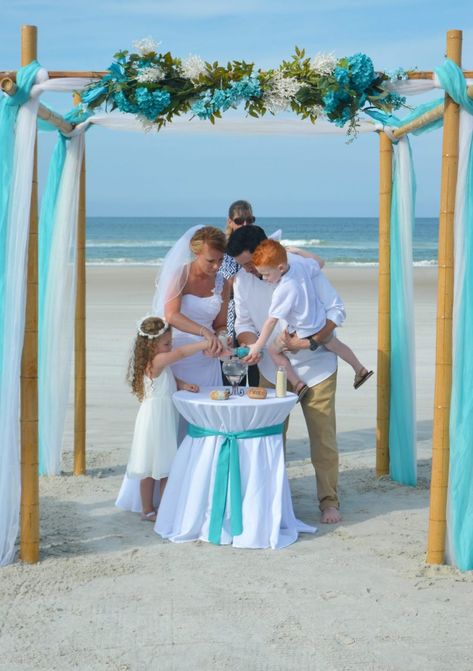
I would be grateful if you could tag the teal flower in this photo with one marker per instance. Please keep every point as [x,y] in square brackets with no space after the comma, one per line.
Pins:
[91,94]
[151,103]
[362,72]
[341,75]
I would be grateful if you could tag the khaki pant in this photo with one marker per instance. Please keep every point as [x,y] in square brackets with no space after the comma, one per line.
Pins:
[318,406]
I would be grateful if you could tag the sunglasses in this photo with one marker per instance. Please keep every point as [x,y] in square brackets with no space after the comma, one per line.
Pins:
[239,221]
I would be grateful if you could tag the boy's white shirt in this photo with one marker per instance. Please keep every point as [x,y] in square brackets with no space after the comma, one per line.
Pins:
[252,300]
[296,301]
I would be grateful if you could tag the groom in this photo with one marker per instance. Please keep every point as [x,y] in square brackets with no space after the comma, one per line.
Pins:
[316,366]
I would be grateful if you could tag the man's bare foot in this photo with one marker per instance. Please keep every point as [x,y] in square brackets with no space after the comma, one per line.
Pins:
[330,515]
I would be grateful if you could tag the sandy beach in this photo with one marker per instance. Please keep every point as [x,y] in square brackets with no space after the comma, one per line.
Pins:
[109,594]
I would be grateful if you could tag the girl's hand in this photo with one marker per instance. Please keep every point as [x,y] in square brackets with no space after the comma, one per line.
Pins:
[186,386]
[214,345]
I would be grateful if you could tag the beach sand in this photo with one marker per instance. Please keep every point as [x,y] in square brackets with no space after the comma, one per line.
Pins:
[110,594]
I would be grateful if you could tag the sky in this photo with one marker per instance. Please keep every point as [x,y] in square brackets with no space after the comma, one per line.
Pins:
[173,174]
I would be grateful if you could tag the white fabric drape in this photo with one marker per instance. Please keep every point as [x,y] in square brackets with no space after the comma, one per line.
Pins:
[16,244]
[60,85]
[411,87]
[237,126]
[14,316]
[57,314]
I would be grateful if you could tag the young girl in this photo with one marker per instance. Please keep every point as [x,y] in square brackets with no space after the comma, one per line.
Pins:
[155,437]
[295,300]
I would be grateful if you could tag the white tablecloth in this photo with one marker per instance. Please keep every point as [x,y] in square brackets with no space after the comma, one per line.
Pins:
[267,513]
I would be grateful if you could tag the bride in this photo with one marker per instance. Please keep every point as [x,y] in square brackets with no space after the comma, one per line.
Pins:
[193,296]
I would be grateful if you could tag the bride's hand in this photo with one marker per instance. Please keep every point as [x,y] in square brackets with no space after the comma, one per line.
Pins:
[214,345]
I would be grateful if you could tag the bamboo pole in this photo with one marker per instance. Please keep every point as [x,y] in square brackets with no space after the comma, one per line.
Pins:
[443,364]
[80,335]
[384,307]
[29,508]
[8,86]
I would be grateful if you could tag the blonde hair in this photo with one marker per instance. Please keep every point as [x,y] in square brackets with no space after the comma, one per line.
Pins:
[144,350]
[269,253]
[208,235]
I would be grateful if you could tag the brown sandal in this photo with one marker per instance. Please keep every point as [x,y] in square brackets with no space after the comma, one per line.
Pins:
[361,378]
[301,391]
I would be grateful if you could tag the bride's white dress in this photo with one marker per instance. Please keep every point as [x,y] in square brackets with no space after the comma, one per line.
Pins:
[199,368]
[196,369]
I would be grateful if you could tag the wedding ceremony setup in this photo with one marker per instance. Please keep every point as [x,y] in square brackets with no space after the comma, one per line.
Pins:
[230,466]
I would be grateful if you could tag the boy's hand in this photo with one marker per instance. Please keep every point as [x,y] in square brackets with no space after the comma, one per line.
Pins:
[291,343]
[254,355]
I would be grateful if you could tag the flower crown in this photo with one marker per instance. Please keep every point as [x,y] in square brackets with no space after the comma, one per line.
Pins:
[161,331]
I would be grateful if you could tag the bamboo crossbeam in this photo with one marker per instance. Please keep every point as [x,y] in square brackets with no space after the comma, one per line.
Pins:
[29,506]
[424,119]
[443,358]
[384,307]
[80,332]
[98,74]
[427,74]
[8,86]
[64,74]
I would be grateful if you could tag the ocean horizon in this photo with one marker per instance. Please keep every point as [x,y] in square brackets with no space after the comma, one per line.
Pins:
[341,241]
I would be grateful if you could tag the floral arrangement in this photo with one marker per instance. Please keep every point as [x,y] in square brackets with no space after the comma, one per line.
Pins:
[157,87]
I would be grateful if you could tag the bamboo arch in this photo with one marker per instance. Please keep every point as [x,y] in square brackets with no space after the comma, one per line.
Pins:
[29,534]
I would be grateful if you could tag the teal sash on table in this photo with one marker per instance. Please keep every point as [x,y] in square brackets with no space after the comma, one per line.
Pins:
[228,467]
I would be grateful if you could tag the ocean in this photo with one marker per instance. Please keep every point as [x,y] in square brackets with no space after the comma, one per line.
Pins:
[338,240]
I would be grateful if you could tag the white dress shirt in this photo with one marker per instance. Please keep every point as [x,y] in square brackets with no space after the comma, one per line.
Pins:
[252,302]
[296,301]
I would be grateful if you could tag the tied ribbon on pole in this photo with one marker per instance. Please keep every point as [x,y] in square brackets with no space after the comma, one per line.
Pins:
[228,469]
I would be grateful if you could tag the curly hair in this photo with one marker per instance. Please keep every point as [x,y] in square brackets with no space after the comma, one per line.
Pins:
[144,351]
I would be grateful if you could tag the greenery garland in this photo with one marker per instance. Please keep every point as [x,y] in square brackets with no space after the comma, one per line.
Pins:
[157,87]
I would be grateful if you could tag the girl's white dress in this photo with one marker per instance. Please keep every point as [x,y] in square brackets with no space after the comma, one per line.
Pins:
[196,369]
[155,438]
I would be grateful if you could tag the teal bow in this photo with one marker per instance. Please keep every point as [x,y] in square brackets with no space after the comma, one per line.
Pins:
[228,468]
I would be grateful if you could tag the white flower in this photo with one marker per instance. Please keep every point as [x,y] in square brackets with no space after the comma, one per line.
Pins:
[147,125]
[192,67]
[317,111]
[281,89]
[151,74]
[324,63]
[146,46]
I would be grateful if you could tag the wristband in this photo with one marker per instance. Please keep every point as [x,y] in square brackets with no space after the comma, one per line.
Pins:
[313,344]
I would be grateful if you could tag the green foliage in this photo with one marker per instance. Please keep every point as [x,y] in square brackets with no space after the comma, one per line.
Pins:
[307,90]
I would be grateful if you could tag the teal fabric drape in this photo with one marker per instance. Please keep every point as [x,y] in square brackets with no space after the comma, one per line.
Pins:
[9,106]
[46,231]
[16,162]
[228,472]
[460,488]
[402,420]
